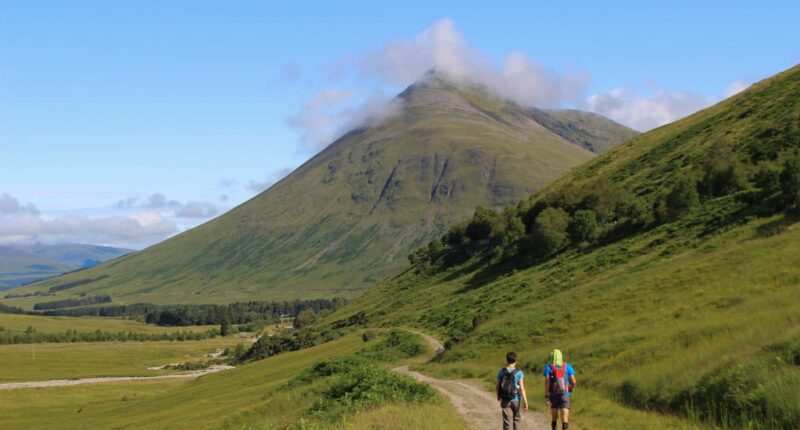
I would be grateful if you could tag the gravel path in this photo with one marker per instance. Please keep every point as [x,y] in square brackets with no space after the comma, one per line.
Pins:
[83,381]
[479,407]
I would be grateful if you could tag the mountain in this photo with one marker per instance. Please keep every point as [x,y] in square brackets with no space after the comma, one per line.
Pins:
[78,256]
[19,267]
[351,214]
[696,267]
[26,264]
[681,323]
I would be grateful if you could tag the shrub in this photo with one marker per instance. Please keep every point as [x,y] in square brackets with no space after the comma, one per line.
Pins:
[583,226]
[550,231]
[790,182]
[722,171]
[678,200]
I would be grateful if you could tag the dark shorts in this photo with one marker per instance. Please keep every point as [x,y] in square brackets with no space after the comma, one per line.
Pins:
[559,401]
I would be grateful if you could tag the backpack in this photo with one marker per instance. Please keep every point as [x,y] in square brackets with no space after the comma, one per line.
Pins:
[558,379]
[508,385]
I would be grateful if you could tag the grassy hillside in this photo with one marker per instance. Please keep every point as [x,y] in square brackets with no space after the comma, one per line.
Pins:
[77,255]
[19,267]
[350,215]
[26,264]
[594,132]
[691,311]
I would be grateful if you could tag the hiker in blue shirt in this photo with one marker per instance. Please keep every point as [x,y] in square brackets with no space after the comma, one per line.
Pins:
[559,381]
[509,388]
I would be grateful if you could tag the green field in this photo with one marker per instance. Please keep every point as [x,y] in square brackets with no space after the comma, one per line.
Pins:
[38,362]
[45,324]
[250,396]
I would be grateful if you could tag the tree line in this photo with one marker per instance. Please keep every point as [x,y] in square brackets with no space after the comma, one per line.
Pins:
[186,315]
[602,212]
[31,335]
[70,303]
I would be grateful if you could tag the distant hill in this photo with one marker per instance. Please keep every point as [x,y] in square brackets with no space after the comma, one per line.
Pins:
[26,264]
[352,213]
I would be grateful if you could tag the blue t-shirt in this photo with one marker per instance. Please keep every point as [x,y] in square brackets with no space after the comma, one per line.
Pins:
[517,378]
[570,372]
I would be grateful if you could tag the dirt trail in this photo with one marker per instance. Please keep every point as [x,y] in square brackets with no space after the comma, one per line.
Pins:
[82,381]
[478,407]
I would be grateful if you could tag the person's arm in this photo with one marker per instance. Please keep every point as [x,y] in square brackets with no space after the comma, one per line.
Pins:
[522,391]
[572,383]
[497,389]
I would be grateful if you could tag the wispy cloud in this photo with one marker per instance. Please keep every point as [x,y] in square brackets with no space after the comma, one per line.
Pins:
[646,110]
[359,85]
[10,205]
[26,226]
[257,186]
[364,83]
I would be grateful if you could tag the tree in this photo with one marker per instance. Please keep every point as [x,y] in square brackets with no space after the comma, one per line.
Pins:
[483,222]
[225,328]
[583,226]
[602,197]
[633,212]
[304,318]
[455,235]
[790,182]
[722,171]
[678,200]
[768,181]
[550,231]
[435,249]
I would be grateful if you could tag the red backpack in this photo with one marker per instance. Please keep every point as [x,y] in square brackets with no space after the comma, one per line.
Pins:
[558,379]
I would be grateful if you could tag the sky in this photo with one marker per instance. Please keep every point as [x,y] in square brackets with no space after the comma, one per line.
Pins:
[124,123]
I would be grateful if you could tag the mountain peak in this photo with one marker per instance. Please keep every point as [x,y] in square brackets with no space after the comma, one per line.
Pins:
[351,214]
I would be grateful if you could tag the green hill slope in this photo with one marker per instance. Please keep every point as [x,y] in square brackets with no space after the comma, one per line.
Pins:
[77,255]
[350,215]
[686,299]
[26,264]
[18,267]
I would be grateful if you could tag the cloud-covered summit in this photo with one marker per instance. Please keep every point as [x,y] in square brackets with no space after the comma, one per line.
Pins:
[361,85]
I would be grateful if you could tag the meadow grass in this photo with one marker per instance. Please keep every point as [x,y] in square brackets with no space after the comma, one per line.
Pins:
[38,362]
[258,395]
[47,324]
[661,323]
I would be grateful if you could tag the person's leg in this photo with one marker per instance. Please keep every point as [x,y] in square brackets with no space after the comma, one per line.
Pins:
[565,407]
[553,418]
[517,415]
[508,415]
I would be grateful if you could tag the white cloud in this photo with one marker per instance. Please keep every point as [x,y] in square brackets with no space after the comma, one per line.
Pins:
[736,88]
[646,110]
[133,231]
[255,186]
[441,47]
[197,210]
[131,222]
[10,205]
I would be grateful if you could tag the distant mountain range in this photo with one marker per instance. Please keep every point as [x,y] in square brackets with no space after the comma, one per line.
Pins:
[351,214]
[25,264]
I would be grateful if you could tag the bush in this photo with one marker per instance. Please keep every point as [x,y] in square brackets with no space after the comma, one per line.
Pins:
[790,182]
[583,226]
[678,200]
[367,336]
[550,231]
[355,385]
[722,171]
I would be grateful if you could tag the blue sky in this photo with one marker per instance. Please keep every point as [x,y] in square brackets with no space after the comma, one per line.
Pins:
[122,123]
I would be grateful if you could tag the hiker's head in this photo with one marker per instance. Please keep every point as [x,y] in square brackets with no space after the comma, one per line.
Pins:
[556,357]
[511,357]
